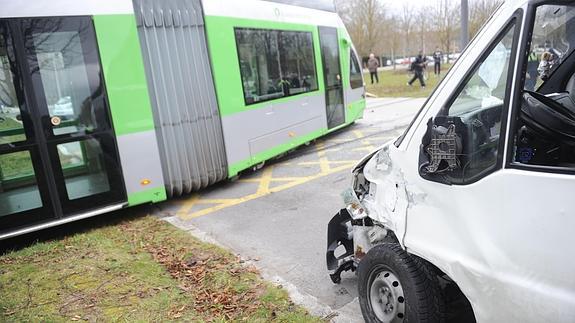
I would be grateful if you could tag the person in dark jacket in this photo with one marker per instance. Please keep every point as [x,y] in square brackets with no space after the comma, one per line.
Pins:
[417,66]
[372,65]
[437,56]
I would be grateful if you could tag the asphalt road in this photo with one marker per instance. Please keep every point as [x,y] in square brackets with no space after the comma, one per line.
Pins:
[276,217]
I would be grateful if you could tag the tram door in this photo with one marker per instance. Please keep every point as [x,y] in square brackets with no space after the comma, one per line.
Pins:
[332,76]
[58,154]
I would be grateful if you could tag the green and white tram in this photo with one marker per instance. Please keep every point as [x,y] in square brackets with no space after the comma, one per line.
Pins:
[106,104]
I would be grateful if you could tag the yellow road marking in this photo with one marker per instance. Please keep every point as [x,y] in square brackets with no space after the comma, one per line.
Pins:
[323,162]
[358,134]
[327,167]
[264,187]
[188,205]
[184,214]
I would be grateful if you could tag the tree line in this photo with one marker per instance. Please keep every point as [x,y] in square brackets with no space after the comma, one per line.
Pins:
[375,28]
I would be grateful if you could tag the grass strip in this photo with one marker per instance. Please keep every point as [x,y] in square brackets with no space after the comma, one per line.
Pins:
[141,269]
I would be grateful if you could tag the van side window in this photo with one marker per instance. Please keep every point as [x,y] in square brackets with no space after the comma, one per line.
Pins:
[275,64]
[355,77]
[475,114]
[544,118]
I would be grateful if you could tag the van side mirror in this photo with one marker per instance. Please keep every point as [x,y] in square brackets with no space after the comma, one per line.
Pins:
[441,148]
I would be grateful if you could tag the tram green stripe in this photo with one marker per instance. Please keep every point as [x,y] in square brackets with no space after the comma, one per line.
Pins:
[354,110]
[124,73]
[154,195]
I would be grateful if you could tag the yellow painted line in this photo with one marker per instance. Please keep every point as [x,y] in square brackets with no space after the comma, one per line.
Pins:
[248,180]
[323,161]
[285,179]
[358,134]
[184,211]
[212,201]
[265,180]
[188,205]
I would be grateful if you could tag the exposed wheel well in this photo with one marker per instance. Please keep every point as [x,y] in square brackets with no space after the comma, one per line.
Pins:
[458,308]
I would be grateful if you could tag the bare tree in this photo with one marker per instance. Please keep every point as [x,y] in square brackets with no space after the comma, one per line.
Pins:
[406,18]
[392,39]
[422,22]
[407,29]
[445,21]
[479,12]
[363,19]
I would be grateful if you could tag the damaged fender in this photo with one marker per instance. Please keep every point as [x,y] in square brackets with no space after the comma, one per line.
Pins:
[387,199]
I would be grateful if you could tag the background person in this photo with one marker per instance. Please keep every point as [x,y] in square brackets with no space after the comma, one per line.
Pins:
[544,68]
[417,66]
[437,56]
[372,65]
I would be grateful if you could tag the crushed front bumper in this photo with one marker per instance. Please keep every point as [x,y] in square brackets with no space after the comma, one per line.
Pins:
[340,233]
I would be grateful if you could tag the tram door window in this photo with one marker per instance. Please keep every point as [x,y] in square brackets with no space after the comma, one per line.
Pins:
[58,154]
[21,195]
[332,76]
[64,77]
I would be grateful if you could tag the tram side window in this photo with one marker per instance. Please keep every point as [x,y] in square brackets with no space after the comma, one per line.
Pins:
[296,61]
[275,64]
[11,127]
[355,77]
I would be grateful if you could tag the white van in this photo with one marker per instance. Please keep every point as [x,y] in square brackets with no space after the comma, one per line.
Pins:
[472,204]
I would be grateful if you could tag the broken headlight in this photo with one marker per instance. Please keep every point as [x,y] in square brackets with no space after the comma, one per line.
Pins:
[353,204]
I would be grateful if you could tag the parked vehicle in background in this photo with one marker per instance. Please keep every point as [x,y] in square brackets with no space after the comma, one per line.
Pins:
[471,206]
[62,108]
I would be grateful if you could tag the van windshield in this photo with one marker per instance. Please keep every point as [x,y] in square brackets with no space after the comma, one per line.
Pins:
[544,131]
[553,41]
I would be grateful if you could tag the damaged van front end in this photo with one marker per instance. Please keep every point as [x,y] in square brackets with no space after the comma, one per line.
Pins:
[374,212]
[467,216]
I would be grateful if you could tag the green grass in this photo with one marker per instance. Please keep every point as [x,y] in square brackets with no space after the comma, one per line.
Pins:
[141,269]
[16,164]
[394,84]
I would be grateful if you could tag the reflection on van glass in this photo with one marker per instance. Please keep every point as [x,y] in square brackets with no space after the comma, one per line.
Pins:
[551,43]
[545,130]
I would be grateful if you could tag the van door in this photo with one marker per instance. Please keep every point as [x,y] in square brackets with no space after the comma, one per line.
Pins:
[58,151]
[496,215]
[456,212]
[329,43]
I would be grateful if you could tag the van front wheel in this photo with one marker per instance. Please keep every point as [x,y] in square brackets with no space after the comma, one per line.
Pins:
[395,286]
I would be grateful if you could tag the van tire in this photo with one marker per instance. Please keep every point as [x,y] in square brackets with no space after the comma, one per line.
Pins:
[403,287]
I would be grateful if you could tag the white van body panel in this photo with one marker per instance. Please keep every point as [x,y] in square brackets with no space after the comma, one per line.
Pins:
[505,240]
